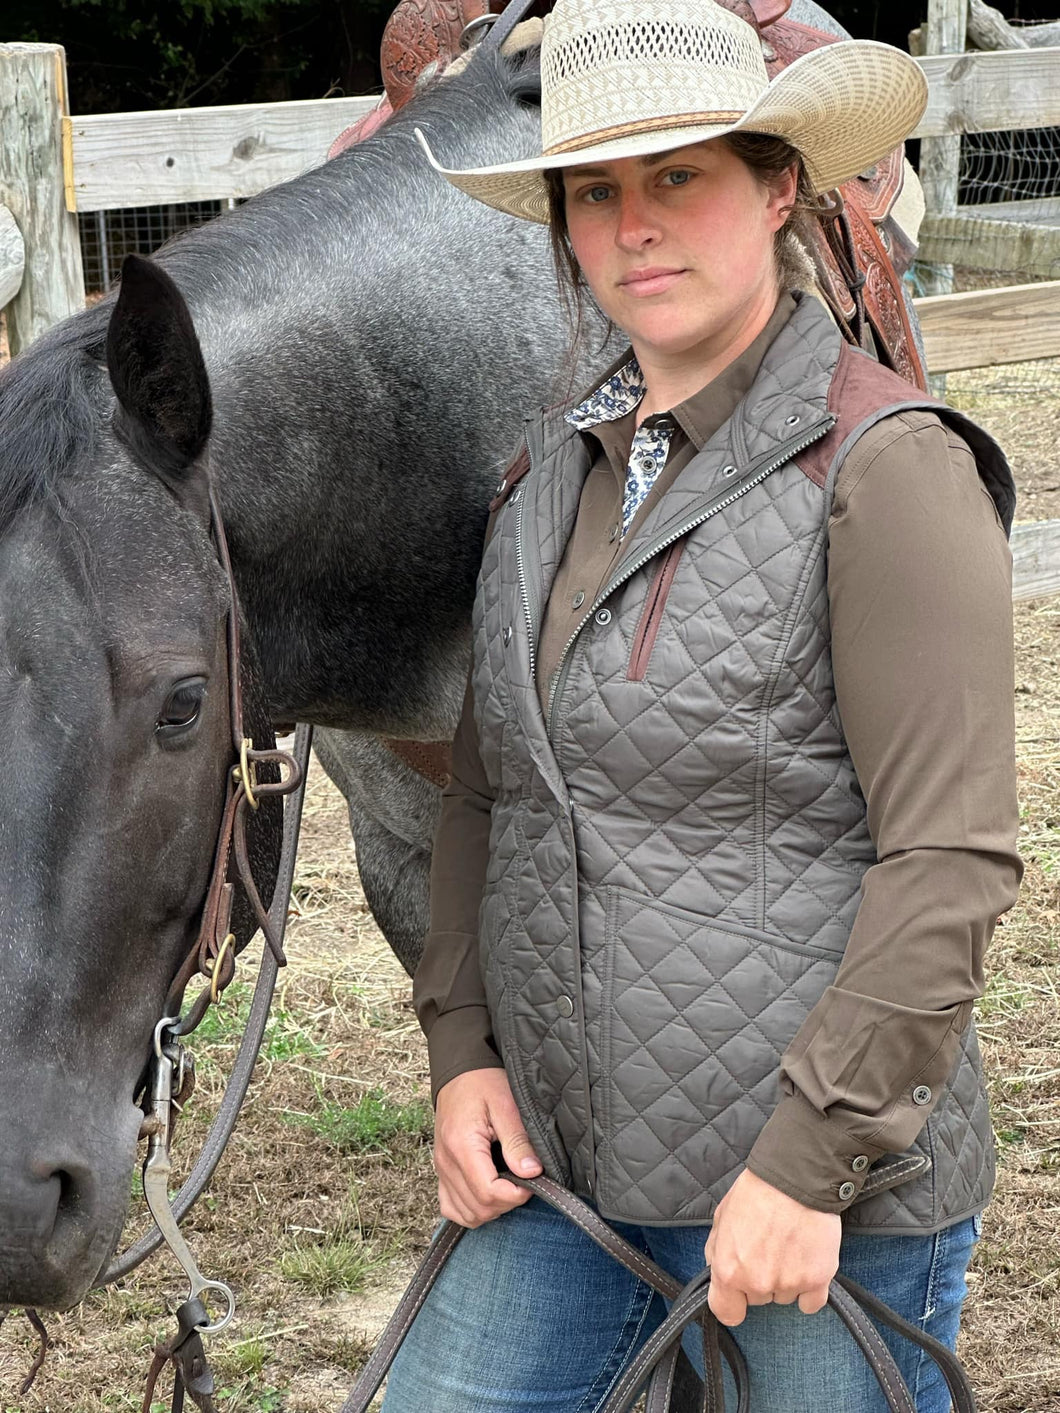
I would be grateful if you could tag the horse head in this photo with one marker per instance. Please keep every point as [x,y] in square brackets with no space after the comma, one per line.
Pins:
[114,705]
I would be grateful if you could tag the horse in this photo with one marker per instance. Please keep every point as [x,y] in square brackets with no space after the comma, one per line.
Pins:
[345,361]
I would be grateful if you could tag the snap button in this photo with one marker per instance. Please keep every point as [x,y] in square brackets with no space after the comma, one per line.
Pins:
[793,420]
[647,464]
[921,1094]
[612,534]
[500,486]
[507,634]
[515,495]
[603,617]
[860,1163]
[565,1006]
[728,470]
[578,599]
[846,1191]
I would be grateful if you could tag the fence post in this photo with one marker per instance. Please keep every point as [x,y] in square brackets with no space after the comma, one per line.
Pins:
[940,157]
[33,103]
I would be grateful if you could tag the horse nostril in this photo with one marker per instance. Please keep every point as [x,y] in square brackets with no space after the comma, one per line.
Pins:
[64,1196]
[69,1195]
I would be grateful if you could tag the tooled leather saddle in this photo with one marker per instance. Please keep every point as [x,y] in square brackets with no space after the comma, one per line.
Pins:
[859,251]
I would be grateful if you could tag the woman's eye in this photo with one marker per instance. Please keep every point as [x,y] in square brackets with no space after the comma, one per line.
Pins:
[678,178]
[182,707]
[596,194]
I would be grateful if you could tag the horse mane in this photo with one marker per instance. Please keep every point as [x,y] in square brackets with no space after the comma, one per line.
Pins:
[55,398]
[50,408]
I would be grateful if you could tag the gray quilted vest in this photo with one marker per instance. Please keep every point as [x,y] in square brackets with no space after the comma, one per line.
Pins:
[676,853]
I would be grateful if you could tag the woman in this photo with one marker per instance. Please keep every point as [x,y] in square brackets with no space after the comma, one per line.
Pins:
[733,807]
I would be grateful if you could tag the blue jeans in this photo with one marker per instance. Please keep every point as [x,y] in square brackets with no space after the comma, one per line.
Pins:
[529,1314]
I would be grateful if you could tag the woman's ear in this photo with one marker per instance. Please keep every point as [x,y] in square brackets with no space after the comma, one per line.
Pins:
[783,193]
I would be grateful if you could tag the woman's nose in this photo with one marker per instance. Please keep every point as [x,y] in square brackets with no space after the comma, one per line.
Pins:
[636,226]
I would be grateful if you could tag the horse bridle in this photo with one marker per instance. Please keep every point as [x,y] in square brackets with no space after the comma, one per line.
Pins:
[171,1071]
[213,955]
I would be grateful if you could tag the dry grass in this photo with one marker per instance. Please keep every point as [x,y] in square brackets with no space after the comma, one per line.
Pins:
[1012,1322]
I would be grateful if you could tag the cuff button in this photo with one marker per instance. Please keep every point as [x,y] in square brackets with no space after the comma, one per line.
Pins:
[860,1163]
[846,1191]
[921,1094]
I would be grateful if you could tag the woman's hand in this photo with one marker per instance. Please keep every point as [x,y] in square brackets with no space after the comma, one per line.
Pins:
[472,1111]
[765,1246]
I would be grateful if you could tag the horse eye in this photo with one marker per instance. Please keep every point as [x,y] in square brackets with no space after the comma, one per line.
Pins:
[182,707]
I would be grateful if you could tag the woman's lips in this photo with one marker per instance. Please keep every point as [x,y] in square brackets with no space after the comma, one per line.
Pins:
[655,280]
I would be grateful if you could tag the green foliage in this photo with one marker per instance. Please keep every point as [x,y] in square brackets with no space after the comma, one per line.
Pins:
[129,54]
[331,1267]
[370,1126]
[285,1038]
[246,1358]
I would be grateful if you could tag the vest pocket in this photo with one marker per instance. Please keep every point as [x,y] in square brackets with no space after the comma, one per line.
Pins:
[695,1015]
[648,627]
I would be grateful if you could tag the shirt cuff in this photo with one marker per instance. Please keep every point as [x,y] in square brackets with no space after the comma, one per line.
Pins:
[460,1040]
[810,1157]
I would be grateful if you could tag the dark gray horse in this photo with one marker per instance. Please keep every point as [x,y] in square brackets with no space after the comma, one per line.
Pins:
[368,337]
[349,357]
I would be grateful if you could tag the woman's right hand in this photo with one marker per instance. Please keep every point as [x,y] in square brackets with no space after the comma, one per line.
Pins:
[472,1111]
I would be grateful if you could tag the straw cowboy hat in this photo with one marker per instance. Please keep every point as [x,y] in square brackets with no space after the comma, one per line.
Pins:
[625,78]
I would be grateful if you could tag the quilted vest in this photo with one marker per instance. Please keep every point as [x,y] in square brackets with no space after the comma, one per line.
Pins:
[676,852]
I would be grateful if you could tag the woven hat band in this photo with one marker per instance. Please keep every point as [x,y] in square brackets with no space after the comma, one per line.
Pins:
[678,120]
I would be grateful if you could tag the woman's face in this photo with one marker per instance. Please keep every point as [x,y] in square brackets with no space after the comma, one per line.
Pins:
[677,247]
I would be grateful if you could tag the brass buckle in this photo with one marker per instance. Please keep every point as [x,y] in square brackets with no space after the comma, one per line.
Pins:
[245,773]
[215,966]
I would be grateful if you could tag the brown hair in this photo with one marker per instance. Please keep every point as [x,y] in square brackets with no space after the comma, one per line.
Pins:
[768,158]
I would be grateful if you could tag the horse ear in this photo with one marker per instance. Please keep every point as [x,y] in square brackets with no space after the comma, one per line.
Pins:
[157,371]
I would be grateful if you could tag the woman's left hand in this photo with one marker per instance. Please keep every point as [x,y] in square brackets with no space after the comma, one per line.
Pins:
[765,1246]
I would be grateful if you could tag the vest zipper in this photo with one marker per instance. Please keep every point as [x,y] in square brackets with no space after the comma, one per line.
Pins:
[755,478]
[523,590]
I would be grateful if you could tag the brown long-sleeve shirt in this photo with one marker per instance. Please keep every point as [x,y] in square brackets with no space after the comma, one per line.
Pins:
[920,603]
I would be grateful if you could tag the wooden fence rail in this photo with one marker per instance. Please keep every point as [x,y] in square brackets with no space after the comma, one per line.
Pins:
[199,154]
[1036,560]
[991,92]
[204,154]
[985,327]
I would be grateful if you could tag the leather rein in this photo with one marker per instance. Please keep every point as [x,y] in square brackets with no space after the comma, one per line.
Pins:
[656,1362]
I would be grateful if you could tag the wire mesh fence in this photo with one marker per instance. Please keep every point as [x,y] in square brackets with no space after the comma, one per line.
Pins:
[1011,176]
[108,236]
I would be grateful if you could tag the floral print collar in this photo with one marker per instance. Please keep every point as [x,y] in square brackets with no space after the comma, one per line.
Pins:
[619,394]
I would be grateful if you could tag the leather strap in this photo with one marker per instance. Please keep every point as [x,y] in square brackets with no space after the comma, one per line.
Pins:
[850,1302]
[243,1068]
[185,1352]
[717,1338]
[431,759]
[514,11]
[656,1360]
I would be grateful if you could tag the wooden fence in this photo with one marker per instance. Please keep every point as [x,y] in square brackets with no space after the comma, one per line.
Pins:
[56,165]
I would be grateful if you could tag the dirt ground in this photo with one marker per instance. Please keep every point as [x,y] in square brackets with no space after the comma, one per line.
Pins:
[326,1197]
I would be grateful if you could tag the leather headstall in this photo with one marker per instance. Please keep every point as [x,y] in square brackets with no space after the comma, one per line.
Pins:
[213,955]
